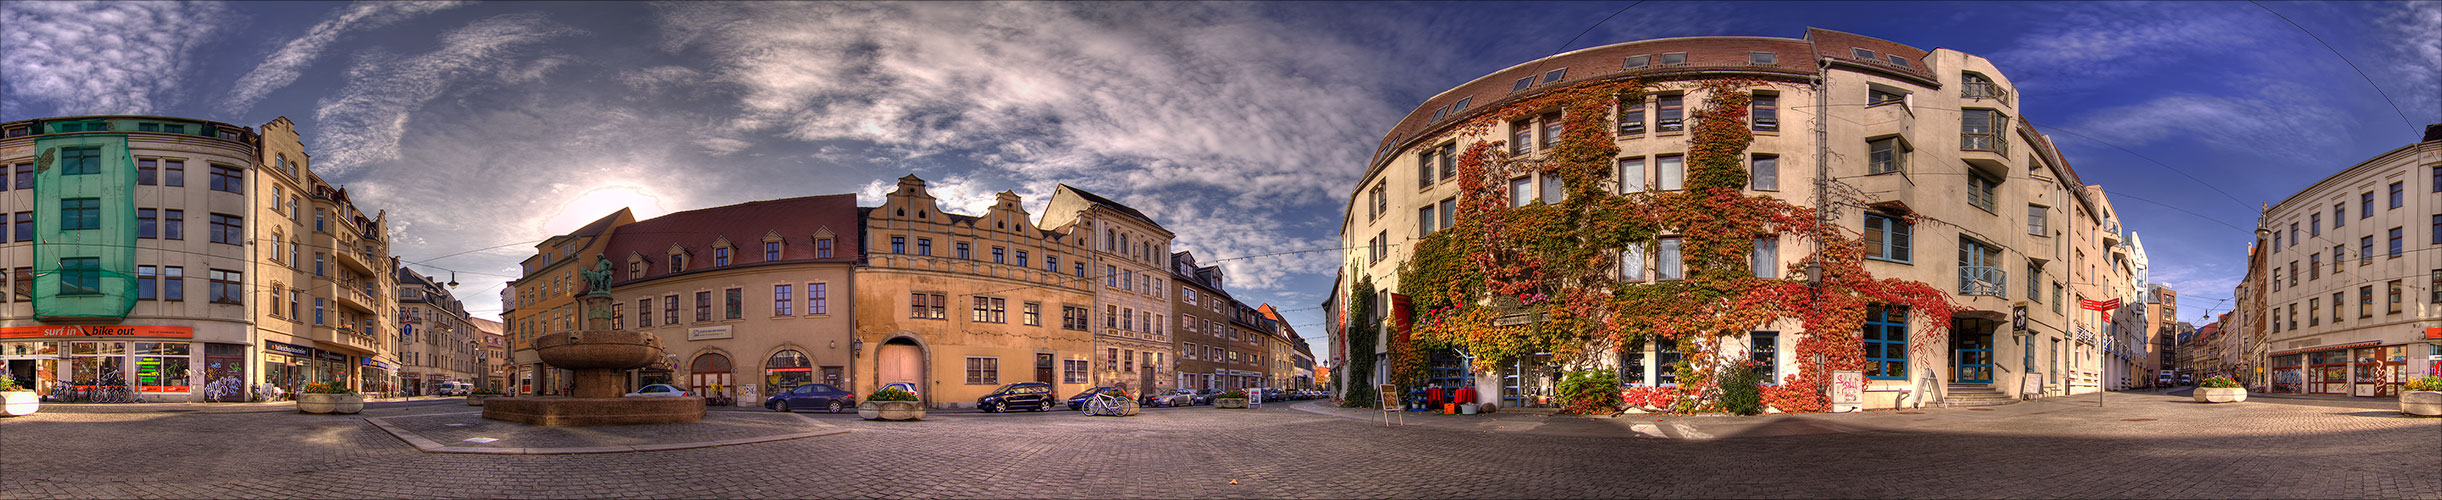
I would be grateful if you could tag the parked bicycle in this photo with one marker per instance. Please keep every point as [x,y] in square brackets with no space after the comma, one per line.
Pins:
[1109,404]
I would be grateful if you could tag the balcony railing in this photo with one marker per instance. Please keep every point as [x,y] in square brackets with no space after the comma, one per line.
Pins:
[1983,90]
[1976,141]
[1980,280]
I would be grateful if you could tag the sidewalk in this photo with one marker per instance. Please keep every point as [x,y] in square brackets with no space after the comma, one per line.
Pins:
[259,407]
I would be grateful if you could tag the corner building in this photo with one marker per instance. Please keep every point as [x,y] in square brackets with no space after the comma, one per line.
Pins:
[1131,257]
[1906,134]
[2351,299]
[748,299]
[190,260]
[960,305]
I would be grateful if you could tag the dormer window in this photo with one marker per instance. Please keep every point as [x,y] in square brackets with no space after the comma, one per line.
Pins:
[635,270]
[1523,83]
[1896,60]
[678,263]
[771,251]
[1462,104]
[720,257]
[1635,62]
[1674,58]
[1555,75]
[1763,58]
[1439,113]
[822,248]
[1862,54]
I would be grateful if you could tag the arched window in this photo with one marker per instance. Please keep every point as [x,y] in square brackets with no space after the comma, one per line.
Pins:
[786,370]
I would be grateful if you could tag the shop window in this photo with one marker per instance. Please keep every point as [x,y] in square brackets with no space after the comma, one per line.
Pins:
[786,370]
[1764,349]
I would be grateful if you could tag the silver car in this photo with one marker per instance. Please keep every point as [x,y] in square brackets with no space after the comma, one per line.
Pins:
[658,391]
[1176,397]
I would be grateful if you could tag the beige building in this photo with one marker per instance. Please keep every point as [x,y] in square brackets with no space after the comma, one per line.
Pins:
[749,300]
[1923,153]
[495,354]
[542,300]
[1132,260]
[437,342]
[960,305]
[172,255]
[2353,298]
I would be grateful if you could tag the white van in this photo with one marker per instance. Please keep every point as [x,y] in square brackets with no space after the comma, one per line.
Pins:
[455,388]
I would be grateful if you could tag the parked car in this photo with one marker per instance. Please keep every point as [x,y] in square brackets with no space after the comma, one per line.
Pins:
[811,396]
[1027,395]
[659,391]
[1176,397]
[1077,402]
[1205,397]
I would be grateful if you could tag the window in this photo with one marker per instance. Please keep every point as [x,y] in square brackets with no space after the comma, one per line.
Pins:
[818,298]
[1555,75]
[1424,167]
[1521,191]
[25,226]
[2365,301]
[2037,219]
[1980,87]
[720,257]
[148,172]
[2365,205]
[80,161]
[1762,58]
[822,248]
[1875,96]
[2337,306]
[1885,155]
[703,306]
[1382,206]
[2438,179]
[1521,137]
[2396,195]
[644,312]
[669,309]
[1674,58]
[1033,314]
[80,213]
[1764,348]
[1449,213]
[2338,253]
[229,179]
[2034,292]
[1667,262]
[1667,117]
[1672,172]
[2365,250]
[1632,175]
[2293,235]
[1632,262]
[1766,108]
[2395,242]
[1074,318]
[771,251]
[783,302]
[1982,192]
[148,283]
[983,371]
[2395,297]
[1553,191]
[1886,342]
[1765,173]
[1127,318]
[318,311]
[80,276]
[2436,288]
[1864,54]
[1073,371]
[2314,266]
[2314,224]
[898,244]
[997,253]
[2314,312]
[924,246]
[1980,130]
[1887,238]
[2056,297]
[25,176]
[228,287]
[1766,257]
[990,310]
[1896,60]
[2437,229]
[2340,214]
[229,229]
[1424,222]
[1522,84]
[1634,62]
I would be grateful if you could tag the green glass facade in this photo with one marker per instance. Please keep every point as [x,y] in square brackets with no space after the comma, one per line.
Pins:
[85,224]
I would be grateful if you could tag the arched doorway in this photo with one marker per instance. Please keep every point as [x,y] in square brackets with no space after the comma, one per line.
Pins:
[708,376]
[901,360]
[786,370]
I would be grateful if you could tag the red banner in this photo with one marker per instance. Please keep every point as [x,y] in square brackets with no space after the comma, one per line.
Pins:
[1403,317]
[2098,305]
[96,331]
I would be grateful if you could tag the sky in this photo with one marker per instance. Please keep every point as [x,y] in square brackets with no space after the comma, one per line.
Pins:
[482,128]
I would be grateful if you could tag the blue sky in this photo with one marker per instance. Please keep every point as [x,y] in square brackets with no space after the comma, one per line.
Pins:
[1241,125]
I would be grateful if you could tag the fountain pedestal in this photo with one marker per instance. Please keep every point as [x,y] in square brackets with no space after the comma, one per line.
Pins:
[597,355]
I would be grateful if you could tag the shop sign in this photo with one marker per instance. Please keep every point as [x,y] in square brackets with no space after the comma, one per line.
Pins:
[96,331]
[330,356]
[376,364]
[288,349]
[2433,333]
[708,333]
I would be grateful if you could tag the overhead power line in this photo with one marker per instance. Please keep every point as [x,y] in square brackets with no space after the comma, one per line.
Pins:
[2361,73]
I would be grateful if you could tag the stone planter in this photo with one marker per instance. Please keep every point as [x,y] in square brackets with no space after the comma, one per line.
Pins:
[331,403]
[1229,402]
[472,400]
[890,410]
[2224,395]
[2421,403]
[20,403]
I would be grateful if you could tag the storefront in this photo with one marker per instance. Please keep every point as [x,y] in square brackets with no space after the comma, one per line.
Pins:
[286,367]
[224,373]
[2289,374]
[376,376]
[34,365]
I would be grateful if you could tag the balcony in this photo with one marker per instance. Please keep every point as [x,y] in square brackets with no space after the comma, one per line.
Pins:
[1987,150]
[1985,90]
[1888,119]
[354,260]
[351,296]
[1980,280]
[346,339]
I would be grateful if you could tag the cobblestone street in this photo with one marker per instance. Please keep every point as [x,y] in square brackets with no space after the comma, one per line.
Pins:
[2048,449]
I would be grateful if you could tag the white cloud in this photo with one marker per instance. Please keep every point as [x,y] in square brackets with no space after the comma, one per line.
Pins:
[2294,125]
[286,64]
[364,122]
[2086,45]
[101,57]
[2412,33]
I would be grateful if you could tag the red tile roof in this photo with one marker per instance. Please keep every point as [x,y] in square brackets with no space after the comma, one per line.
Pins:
[744,224]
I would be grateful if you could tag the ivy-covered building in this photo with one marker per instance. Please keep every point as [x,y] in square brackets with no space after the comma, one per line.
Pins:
[1633,208]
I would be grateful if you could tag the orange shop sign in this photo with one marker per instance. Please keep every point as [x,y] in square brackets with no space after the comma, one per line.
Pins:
[12,332]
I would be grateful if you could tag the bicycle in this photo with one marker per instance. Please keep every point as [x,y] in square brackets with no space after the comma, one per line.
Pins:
[1106,404]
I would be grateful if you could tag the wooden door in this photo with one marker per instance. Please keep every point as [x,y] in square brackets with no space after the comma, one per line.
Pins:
[901,363]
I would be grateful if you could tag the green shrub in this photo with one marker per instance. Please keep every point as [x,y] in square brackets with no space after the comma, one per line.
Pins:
[892,394]
[2426,383]
[1739,393]
[327,388]
[2220,382]
[1232,394]
[8,383]
[1589,392]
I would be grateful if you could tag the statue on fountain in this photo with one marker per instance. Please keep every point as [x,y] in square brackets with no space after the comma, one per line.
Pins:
[598,279]
[598,357]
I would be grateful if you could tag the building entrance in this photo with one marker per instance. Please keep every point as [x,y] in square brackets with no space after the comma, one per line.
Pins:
[901,360]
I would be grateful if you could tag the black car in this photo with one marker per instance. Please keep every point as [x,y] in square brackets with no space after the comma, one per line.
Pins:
[1077,402]
[1205,397]
[1022,395]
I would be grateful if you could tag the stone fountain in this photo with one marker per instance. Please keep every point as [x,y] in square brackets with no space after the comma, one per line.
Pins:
[599,356]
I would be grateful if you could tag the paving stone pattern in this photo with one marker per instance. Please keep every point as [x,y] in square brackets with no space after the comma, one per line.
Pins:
[453,429]
[2048,449]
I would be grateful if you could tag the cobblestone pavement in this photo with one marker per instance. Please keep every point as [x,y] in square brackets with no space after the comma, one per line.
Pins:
[2135,446]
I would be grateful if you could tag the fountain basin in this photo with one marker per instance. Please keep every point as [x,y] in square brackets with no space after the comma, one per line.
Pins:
[586,412]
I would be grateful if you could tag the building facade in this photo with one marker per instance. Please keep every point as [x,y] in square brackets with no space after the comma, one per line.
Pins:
[170,255]
[1201,330]
[495,354]
[2352,299]
[749,300]
[542,300]
[1132,259]
[1974,200]
[938,310]
[437,341]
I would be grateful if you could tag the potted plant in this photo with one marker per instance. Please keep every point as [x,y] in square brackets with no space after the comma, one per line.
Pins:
[2422,397]
[2220,390]
[476,397]
[1232,399]
[328,397]
[891,404]
[19,402]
